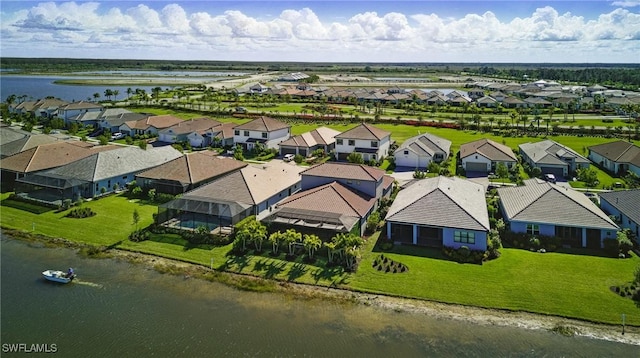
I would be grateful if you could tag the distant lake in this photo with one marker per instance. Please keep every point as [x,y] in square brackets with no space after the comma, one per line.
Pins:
[119,309]
[38,87]
[165,73]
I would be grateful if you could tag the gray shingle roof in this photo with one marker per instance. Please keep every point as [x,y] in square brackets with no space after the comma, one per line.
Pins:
[117,162]
[550,152]
[489,149]
[618,151]
[263,124]
[426,143]
[542,202]
[442,202]
[626,201]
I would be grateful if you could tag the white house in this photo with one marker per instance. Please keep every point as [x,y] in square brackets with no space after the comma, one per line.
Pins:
[370,142]
[199,132]
[265,130]
[75,109]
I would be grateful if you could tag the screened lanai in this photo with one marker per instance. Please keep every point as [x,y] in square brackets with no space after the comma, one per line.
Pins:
[51,188]
[190,212]
[323,224]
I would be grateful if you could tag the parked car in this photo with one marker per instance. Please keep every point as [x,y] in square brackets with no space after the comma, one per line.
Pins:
[550,178]
[288,157]
[116,136]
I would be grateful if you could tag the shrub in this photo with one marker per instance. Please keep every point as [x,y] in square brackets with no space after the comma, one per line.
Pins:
[464,255]
[139,235]
[81,213]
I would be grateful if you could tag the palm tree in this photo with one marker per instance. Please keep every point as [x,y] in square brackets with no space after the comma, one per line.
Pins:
[129,93]
[108,93]
[96,96]
[290,237]
[275,239]
[311,244]
[115,95]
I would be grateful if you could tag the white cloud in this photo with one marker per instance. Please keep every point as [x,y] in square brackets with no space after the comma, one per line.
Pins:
[627,3]
[363,36]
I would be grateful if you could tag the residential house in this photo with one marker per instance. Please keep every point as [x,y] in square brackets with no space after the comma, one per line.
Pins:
[617,157]
[13,141]
[363,178]
[43,157]
[370,142]
[187,172]
[625,206]
[483,155]
[440,211]
[306,143]
[335,197]
[150,125]
[112,123]
[265,130]
[198,132]
[95,175]
[252,190]
[258,88]
[543,208]
[42,108]
[419,151]
[92,118]
[75,109]
[552,158]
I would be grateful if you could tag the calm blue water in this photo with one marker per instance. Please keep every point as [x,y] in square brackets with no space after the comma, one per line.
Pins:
[166,73]
[118,309]
[38,87]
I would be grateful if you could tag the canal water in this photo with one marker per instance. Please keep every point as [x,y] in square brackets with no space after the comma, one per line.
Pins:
[120,309]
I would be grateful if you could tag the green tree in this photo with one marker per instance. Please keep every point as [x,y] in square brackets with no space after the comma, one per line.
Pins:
[275,239]
[502,171]
[152,195]
[355,158]
[588,175]
[136,218]
[291,237]
[311,244]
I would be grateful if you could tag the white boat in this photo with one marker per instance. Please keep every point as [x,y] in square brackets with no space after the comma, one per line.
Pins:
[59,276]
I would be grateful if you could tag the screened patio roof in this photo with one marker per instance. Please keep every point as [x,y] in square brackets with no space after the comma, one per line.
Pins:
[51,181]
[207,205]
[313,219]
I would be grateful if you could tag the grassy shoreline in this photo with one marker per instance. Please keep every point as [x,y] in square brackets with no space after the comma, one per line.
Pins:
[300,291]
[552,284]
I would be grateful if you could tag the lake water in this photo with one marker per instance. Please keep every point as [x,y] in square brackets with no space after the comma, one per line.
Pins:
[120,309]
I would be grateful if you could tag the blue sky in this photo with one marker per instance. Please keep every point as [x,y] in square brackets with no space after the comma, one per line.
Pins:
[326,31]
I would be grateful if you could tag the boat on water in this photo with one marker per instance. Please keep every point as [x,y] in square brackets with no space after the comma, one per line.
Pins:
[59,276]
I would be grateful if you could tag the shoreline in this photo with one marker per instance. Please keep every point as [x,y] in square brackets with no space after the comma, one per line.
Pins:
[439,310]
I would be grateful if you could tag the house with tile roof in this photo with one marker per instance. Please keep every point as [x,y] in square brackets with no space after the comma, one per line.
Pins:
[553,158]
[483,155]
[187,172]
[95,175]
[75,109]
[335,197]
[371,142]
[363,178]
[13,141]
[92,118]
[625,206]
[252,190]
[265,130]
[418,151]
[543,208]
[46,156]
[323,211]
[440,211]
[306,143]
[46,108]
[149,125]
[199,132]
[617,157]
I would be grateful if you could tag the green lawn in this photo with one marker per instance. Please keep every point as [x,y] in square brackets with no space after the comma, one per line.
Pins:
[561,284]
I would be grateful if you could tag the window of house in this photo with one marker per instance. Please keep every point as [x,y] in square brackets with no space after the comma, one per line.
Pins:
[246,133]
[339,141]
[352,142]
[236,132]
[533,229]
[374,144]
[464,237]
[406,152]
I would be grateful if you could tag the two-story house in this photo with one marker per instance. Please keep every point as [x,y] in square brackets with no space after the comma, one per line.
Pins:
[265,130]
[370,142]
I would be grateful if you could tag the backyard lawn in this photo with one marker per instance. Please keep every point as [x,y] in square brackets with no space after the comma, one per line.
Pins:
[562,284]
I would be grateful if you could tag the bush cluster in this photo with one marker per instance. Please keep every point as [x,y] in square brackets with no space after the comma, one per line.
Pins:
[81,213]
[387,265]
[528,241]
[464,255]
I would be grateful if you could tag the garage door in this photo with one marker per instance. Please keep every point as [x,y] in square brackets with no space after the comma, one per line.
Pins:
[476,167]
[557,172]
[285,150]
